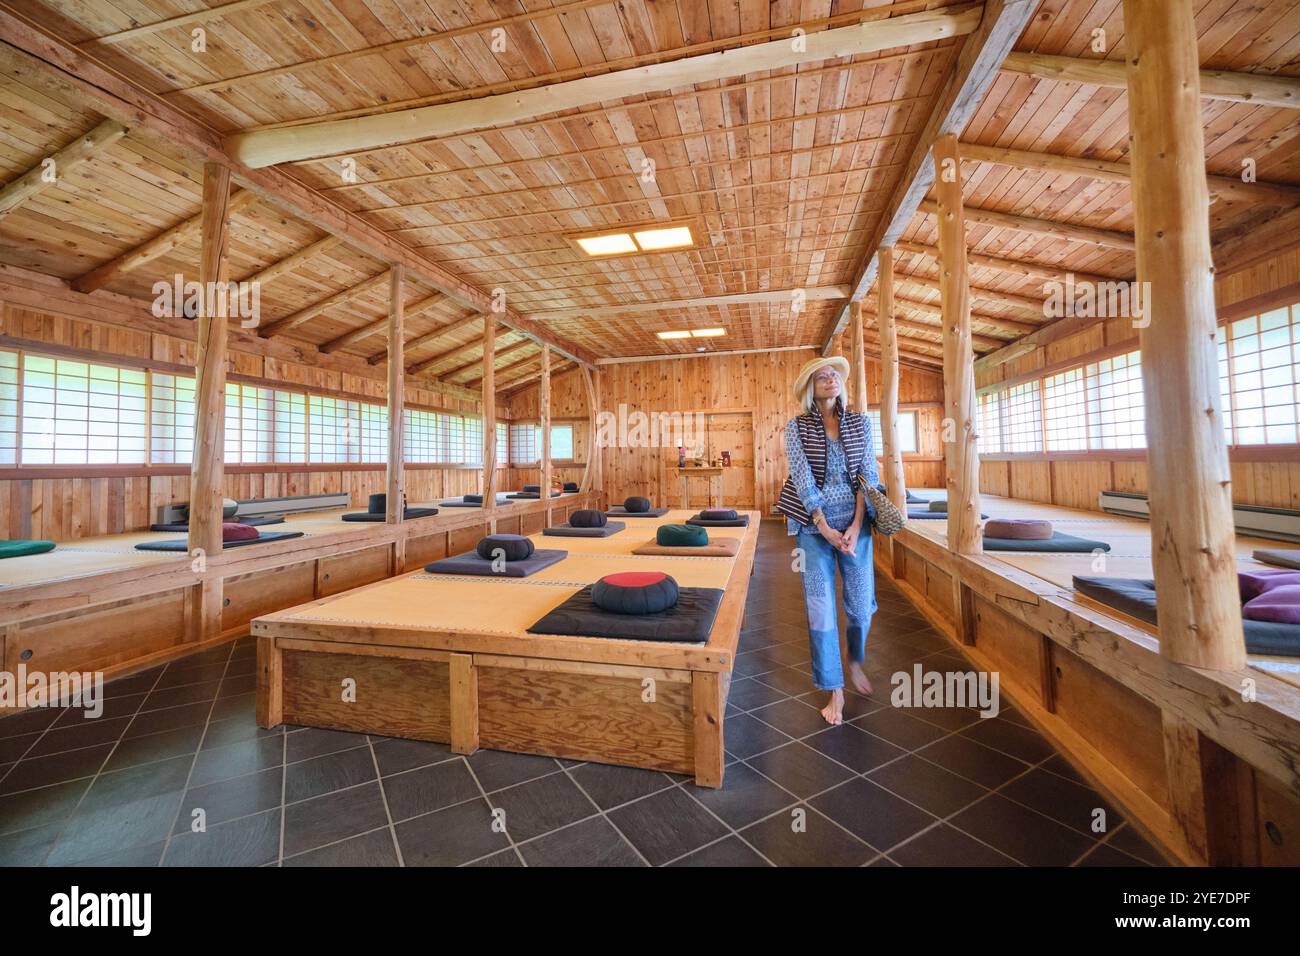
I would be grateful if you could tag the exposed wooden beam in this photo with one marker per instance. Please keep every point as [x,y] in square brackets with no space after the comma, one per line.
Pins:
[522,384]
[991,296]
[342,297]
[1027,270]
[425,364]
[468,383]
[982,52]
[506,371]
[857,388]
[53,66]
[1193,545]
[259,148]
[292,261]
[50,170]
[1228,187]
[815,294]
[1050,228]
[370,328]
[181,20]
[160,245]
[1248,244]
[891,465]
[905,326]
[960,411]
[1256,88]
[395,484]
[934,311]
[489,420]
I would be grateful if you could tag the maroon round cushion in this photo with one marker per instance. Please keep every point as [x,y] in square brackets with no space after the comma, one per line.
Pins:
[1018,529]
[635,592]
[233,531]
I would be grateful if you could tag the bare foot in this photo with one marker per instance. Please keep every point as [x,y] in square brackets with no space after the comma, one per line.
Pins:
[834,709]
[859,679]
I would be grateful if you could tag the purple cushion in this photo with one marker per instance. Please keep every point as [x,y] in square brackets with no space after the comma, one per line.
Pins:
[1270,596]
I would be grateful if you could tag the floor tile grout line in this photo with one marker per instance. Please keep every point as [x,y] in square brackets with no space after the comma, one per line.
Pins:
[491,808]
[568,771]
[71,815]
[383,796]
[284,792]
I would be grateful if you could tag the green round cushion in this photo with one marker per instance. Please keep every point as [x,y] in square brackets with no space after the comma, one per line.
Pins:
[681,536]
[229,506]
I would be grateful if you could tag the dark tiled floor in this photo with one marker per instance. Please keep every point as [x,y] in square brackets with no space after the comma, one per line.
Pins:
[177,772]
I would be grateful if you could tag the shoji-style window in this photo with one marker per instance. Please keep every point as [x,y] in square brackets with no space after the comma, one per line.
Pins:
[171,419]
[290,427]
[525,446]
[80,413]
[1022,418]
[503,444]
[1064,411]
[990,434]
[422,436]
[1116,410]
[250,423]
[335,429]
[1264,358]
[561,443]
[8,408]
[906,422]
[374,432]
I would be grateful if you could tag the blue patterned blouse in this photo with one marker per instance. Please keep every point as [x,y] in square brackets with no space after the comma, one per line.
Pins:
[836,497]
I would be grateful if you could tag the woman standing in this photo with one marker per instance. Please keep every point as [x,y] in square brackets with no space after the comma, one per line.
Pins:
[831,455]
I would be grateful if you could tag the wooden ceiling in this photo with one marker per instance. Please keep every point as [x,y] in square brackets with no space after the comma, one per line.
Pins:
[789,174]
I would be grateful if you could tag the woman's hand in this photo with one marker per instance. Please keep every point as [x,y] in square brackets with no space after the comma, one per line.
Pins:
[835,538]
[849,540]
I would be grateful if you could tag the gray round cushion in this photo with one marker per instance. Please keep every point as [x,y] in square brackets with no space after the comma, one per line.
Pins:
[588,518]
[515,547]
[636,505]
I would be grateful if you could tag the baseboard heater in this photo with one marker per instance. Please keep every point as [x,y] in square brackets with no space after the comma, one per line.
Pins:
[1278,524]
[178,512]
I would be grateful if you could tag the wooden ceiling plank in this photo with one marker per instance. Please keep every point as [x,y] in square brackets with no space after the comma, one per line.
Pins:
[1087,235]
[430,362]
[370,328]
[478,363]
[306,314]
[51,169]
[814,294]
[260,148]
[982,53]
[292,261]
[181,20]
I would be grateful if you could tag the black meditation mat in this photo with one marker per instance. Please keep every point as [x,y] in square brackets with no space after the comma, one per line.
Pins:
[181,544]
[531,494]
[569,531]
[1057,542]
[406,515]
[471,563]
[467,504]
[688,623]
[739,522]
[182,527]
[618,511]
[931,515]
[1136,597]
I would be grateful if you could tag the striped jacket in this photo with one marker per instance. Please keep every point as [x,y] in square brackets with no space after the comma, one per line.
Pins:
[859,454]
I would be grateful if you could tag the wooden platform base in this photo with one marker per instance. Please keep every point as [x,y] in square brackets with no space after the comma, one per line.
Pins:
[450,660]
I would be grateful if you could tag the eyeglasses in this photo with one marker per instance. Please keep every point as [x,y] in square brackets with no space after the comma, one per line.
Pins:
[827,375]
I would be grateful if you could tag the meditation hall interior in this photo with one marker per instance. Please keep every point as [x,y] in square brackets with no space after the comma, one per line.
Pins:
[623,433]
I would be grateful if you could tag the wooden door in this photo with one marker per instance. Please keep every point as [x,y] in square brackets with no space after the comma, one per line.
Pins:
[731,432]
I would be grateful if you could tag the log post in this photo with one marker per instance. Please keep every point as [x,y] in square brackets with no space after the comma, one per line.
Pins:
[544,425]
[395,488]
[489,419]
[207,470]
[960,452]
[891,471]
[1190,481]
[857,388]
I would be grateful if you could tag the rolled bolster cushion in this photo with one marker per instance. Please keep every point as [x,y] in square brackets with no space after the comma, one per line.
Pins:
[514,547]
[681,536]
[473,499]
[570,486]
[536,489]
[232,531]
[636,505]
[1019,529]
[588,518]
[939,506]
[635,592]
[718,514]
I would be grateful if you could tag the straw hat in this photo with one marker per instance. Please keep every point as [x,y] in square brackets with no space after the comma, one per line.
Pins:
[837,362]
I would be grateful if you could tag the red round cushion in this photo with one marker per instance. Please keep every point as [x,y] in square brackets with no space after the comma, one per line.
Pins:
[233,531]
[634,579]
[1019,529]
[635,592]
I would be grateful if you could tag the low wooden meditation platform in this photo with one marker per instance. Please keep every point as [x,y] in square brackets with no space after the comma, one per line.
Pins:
[449,659]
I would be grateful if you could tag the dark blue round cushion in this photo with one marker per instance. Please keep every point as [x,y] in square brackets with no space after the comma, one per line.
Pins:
[570,486]
[473,499]
[528,488]
[718,514]
[681,536]
[515,547]
[588,518]
[635,592]
[636,505]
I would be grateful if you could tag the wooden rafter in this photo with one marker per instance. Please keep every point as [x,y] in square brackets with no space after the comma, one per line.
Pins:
[982,52]
[1049,228]
[426,364]
[371,328]
[292,261]
[306,314]
[160,245]
[35,180]
[1254,88]
[815,294]
[259,148]
[932,310]
[992,296]
[528,380]
[506,369]
[1018,267]
[466,366]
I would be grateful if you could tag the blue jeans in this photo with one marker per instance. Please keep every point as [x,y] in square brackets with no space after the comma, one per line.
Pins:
[859,587]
